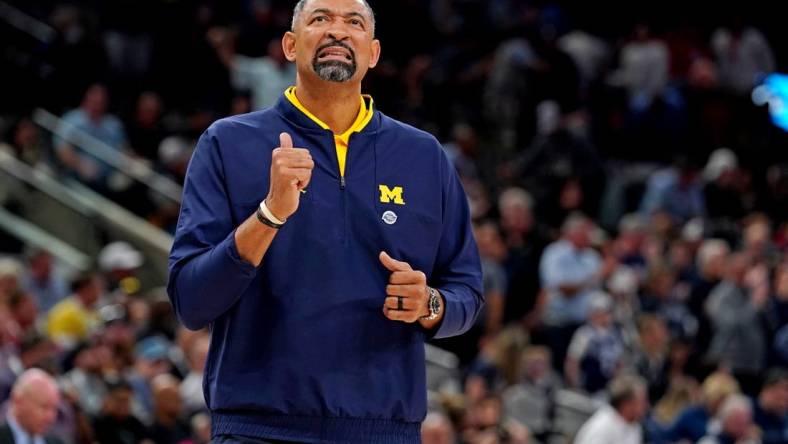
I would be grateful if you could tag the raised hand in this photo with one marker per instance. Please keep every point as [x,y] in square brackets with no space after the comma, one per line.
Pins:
[291,171]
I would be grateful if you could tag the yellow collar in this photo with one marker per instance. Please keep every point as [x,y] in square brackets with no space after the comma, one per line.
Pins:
[365,113]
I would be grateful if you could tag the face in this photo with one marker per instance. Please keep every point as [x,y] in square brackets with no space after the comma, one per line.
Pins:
[118,403]
[333,41]
[36,409]
[95,103]
[738,423]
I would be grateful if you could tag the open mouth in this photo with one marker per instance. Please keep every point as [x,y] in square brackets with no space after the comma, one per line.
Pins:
[335,53]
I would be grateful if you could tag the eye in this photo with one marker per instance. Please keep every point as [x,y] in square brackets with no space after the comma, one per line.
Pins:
[320,18]
[355,22]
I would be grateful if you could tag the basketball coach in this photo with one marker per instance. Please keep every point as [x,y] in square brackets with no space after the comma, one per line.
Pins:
[322,243]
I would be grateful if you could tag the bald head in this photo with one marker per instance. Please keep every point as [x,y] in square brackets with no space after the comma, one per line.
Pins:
[302,4]
[34,401]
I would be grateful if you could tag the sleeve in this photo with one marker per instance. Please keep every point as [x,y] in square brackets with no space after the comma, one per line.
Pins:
[206,274]
[457,272]
[579,344]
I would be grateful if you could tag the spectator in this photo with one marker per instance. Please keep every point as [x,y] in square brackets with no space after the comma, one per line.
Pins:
[73,319]
[676,191]
[530,401]
[191,387]
[524,242]
[437,429]
[734,309]
[85,381]
[681,393]
[462,150]
[266,77]
[570,272]
[711,258]
[770,411]
[596,351]
[652,361]
[644,71]
[116,424]
[619,422]
[168,427]
[743,57]
[33,411]
[93,119]
[735,423]
[146,131]
[26,144]
[692,423]
[723,188]
[44,279]
[24,311]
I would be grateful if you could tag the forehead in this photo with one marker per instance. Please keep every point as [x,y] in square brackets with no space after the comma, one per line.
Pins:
[340,6]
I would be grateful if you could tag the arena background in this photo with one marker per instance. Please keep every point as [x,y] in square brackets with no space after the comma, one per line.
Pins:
[663,122]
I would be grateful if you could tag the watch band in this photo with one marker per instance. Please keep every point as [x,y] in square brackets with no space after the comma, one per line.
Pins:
[265,221]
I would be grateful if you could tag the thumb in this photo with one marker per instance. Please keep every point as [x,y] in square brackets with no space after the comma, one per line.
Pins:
[285,141]
[393,264]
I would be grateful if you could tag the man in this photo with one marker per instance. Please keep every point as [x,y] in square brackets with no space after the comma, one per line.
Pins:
[291,221]
[75,318]
[570,271]
[770,411]
[33,411]
[619,423]
[734,424]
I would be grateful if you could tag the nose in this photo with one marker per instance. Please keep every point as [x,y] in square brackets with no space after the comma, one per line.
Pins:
[338,32]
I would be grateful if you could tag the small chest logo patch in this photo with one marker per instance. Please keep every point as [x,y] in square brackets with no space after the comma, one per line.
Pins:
[391,195]
[389,217]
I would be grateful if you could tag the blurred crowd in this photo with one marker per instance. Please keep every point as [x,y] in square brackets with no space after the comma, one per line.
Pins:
[628,197]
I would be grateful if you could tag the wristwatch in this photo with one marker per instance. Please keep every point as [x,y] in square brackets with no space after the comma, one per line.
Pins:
[434,304]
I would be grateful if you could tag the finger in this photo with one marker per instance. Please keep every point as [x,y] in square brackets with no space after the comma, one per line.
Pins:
[296,163]
[411,291]
[408,277]
[408,304]
[292,153]
[397,315]
[285,141]
[393,264]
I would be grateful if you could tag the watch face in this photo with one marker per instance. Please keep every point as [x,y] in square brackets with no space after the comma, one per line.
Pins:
[435,305]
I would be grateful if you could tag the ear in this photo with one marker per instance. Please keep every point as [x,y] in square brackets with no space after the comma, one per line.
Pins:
[289,46]
[375,54]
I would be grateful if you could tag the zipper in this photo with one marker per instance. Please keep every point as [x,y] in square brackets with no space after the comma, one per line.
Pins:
[342,183]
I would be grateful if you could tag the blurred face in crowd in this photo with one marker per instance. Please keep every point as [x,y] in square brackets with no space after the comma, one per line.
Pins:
[775,398]
[601,318]
[95,102]
[333,40]
[148,109]
[26,311]
[90,293]
[26,134]
[654,334]
[516,218]
[167,398]
[35,405]
[490,243]
[738,423]
[736,268]
[118,402]
[437,429]
[634,409]
[580,235]
[41,266]
[781,282]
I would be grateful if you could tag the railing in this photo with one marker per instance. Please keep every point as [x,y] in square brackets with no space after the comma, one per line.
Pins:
[27,24]
[32,235]
[123,163]
[91,209]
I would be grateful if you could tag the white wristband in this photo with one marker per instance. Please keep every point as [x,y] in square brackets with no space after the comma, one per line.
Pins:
[269,215]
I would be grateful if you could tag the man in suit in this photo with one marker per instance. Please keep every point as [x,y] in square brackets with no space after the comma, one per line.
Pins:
[33,410]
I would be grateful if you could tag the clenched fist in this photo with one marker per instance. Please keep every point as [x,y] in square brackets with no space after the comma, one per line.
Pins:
[291,171]
[407,285]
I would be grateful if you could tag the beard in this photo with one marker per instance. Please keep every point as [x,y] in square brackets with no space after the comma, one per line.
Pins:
[335,70]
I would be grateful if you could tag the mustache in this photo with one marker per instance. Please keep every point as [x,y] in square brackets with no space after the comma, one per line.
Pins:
[338,43]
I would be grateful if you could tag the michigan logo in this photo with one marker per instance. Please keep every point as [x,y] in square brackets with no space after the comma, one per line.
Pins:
[389,195]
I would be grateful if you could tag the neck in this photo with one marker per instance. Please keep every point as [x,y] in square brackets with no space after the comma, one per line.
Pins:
[336,104]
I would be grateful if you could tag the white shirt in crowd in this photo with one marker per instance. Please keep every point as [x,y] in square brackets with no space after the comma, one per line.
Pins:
[606,426]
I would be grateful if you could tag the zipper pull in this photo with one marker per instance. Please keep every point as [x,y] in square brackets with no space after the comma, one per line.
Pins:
[342,182]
